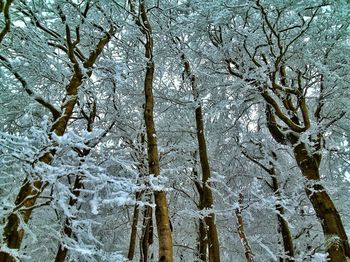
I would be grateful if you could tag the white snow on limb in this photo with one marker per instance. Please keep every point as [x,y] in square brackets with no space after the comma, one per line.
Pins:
[84,251]
[120,199]
[94,203]
[319,257]
[313,184]
[156,183]
[332,240]
[268,250]
[70,139]
[15,253]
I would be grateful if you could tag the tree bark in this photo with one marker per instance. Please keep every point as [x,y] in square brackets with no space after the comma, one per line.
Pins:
[133,233]
[206,196]
[165,240]
[336,240]
[67,230]
[240,226]
[30,190]
[147,234]
[283,226]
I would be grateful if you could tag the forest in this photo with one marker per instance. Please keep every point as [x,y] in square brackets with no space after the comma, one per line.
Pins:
[174,130]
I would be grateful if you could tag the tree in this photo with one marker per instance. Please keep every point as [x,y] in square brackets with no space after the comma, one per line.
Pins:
[32,187]
[288,84]
[246,97]
[161,209]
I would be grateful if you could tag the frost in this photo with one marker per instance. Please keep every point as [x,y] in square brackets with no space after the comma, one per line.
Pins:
[319,257]
[94,203]
[17,255]
[332,240]
[268,250]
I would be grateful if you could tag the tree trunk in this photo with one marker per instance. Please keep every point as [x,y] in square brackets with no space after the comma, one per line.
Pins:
[165,240]
[336,240]
[13,233]
[133,234]
[202,241]
[147,234]
[244,240]
[67,230]
[283,226]
[30,190]
[308,159]
[206,196]
[140,157]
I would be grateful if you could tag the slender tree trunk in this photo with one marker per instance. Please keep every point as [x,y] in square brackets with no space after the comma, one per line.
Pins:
[244,240]
[336,240]
[133,233]
[206,195]
[283,226]
[147,234]
[138,156]
[202,240]
[165,240]
[67,230]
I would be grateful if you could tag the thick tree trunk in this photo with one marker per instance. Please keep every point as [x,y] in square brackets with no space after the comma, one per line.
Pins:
[308,159]
[202,241]
[336,240]
[26,198]
[162,216]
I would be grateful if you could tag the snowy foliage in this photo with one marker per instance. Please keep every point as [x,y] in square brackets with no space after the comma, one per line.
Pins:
[97,173]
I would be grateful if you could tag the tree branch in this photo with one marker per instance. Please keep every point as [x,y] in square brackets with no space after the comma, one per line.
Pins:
[54,111]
